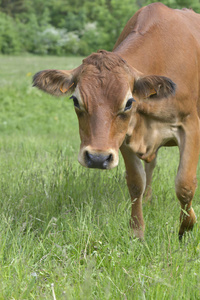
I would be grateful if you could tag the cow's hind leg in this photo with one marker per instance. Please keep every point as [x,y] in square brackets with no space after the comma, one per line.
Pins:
[135,176]
[186,182]
[149,167]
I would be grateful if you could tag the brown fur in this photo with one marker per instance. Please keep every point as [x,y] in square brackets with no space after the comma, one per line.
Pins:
[105,60]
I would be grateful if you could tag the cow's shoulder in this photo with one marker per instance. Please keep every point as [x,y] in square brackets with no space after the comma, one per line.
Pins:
[143,20]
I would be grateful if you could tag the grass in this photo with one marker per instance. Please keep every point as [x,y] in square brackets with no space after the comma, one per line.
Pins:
[64,229]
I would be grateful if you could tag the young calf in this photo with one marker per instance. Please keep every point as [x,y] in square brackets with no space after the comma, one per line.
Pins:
[125,100]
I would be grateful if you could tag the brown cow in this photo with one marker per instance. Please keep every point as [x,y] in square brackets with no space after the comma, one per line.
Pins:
[125,100]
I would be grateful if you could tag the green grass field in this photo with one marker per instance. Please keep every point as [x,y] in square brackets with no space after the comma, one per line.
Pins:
[64,229]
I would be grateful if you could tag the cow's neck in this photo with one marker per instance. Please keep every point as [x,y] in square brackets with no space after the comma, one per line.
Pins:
[146,135]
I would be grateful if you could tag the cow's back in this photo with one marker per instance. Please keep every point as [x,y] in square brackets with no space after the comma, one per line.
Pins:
[159,14]
[160,40]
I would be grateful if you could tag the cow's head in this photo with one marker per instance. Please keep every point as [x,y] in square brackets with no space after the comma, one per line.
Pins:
[105,91]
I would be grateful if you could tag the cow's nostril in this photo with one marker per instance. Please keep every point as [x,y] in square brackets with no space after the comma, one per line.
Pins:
[90,159]
[88,155]
[108,159]
[99,161]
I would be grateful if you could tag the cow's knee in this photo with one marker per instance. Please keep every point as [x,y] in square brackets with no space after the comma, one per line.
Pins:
[185,191]
[136,187]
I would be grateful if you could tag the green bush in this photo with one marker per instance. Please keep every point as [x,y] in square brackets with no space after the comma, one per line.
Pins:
[9,35]
[68,27]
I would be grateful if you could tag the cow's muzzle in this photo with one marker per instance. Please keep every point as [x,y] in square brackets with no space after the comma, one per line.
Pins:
[97,159]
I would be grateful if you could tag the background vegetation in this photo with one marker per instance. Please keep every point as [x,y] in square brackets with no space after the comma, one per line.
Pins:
[64,230]
[65,225]
[63,27]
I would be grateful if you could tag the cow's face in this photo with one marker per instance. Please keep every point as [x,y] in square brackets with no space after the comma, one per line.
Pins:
[103,102]
[105,92]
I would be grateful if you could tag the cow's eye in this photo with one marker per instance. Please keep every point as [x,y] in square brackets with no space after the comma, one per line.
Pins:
[75,100]
[129,104]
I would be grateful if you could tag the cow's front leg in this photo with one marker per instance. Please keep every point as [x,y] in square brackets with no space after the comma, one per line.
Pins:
[136,180]
[149,167]
[186,182]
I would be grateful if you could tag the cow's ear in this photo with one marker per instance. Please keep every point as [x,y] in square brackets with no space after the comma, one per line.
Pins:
[154,87]
[56,82]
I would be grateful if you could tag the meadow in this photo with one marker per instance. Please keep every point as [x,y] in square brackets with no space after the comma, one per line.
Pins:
[64,229]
